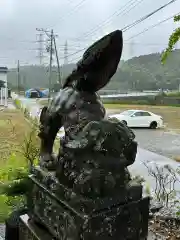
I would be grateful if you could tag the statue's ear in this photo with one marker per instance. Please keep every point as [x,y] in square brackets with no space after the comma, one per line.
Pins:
[43,114]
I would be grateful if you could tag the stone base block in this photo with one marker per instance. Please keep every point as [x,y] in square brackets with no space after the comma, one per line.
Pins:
[68,216]
[31,231]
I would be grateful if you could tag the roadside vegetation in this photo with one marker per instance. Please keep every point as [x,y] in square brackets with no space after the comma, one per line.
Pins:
[19,151]
[19,146]
[173,94]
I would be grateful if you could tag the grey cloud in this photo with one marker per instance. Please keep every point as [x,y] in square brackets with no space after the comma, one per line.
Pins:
[20,18]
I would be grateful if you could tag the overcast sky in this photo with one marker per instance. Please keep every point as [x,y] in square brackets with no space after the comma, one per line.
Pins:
[80,22]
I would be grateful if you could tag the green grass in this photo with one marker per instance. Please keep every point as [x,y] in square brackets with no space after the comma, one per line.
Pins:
[173,94]
[5,210]
[13,128]
[113,105]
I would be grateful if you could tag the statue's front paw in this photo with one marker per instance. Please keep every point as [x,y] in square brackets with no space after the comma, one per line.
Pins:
[48,161]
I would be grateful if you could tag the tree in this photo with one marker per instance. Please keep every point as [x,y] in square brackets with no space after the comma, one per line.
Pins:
[174,38]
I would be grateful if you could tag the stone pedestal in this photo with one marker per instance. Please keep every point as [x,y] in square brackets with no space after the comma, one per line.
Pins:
[28,230]
[69,216]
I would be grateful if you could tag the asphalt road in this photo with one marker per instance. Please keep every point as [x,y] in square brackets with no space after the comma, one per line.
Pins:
[159,141]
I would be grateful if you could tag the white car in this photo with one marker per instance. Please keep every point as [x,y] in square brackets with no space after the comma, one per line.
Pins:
[139,118]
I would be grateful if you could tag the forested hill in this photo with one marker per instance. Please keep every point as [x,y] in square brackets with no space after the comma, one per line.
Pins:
[36,76]
[139,73]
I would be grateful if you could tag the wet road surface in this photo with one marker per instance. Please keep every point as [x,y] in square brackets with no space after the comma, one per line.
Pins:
[159,141]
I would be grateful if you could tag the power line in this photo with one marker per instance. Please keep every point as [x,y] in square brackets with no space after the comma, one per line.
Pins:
[77,47]
[126,28]
[144,29]
[76,7]
[75,60]
[72,54]
[120,12]
[136,43]
[147,16]
[152,26]
[137,21]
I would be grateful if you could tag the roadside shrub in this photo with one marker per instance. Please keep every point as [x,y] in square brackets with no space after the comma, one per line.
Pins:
[14,182]
[26,113]
[9,174]
[165,179]
[173,94]
[17,103]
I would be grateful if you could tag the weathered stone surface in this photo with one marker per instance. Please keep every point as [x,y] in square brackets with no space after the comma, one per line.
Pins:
[28,230]
[87,192]
[70,216]
[47,181]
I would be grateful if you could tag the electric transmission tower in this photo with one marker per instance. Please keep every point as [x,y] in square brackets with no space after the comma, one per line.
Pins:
[40,40]
[131,49]
[66,53]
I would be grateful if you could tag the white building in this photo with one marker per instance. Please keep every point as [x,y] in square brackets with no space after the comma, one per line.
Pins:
[3,91]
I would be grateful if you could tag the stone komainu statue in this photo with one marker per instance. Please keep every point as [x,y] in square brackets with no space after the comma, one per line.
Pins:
[95,151]
[86,191]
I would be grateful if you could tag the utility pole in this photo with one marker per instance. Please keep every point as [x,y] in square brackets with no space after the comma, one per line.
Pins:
[24,82]
[40,49]
[57,59]
[131,49]
[50,63]
[18,77]
[50,49]
[66,53]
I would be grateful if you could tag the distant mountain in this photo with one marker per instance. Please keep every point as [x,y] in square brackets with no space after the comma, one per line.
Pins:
[37,76]
[139,73]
